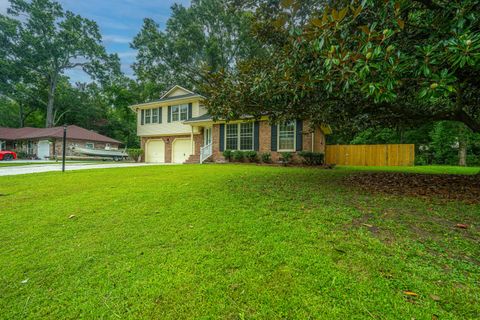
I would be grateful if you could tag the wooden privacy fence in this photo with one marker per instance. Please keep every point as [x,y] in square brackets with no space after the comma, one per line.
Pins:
[371,155]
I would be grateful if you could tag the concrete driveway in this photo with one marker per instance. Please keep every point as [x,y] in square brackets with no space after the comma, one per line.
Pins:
[36,168]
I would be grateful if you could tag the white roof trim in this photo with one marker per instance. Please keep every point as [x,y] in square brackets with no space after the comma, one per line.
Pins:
[173,89]
[136,106]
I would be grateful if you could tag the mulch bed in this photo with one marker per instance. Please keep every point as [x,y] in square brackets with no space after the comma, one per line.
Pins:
[443,186]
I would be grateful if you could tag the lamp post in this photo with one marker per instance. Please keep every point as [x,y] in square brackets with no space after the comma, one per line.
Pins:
[64,146]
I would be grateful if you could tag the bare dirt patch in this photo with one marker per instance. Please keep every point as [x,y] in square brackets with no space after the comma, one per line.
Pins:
[464,188]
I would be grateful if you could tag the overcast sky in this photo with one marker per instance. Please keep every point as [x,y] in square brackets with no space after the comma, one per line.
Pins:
[119,21]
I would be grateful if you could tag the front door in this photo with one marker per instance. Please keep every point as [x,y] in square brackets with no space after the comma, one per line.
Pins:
[43,149]
[207,136]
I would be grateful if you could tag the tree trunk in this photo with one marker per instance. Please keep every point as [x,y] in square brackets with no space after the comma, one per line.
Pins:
[51,100]
[462,152]
[21,119]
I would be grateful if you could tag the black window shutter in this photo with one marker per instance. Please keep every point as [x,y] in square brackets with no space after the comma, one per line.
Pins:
[142,117]
[160,115]
[189,111]
[274,137]
[169,115]
[222,137]
[256,135]
[299,146]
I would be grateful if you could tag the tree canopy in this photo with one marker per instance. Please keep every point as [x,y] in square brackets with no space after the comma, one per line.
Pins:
[208,34]
[41,41]
[353,63]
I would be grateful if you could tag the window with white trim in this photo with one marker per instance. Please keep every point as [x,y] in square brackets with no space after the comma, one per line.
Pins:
[239,136]
[246,136]
[30,147]
[148,118]
[155,115]
[180,112]
[286,136]
[89,145]
[231,136]
[151,116]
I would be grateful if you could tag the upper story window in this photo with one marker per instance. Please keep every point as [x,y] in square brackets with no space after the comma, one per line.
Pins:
[286,136]
[180,112]
[149,116]
[239,136]
[155,115]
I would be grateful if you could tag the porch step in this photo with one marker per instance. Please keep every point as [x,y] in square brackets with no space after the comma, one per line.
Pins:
[194,158]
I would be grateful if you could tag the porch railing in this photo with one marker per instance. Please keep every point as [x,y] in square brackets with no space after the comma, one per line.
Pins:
[205,152]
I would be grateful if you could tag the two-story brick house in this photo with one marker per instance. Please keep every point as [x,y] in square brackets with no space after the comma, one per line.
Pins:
[177,129]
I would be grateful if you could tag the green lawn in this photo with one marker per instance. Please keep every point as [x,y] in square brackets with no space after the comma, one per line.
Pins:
[230,242]
[17,164]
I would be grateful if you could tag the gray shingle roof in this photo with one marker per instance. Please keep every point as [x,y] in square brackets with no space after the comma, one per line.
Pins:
[205,117]
[73,132]
[208,117]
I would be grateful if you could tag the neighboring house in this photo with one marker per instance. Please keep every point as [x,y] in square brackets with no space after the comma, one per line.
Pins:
[177,129]
[44,143]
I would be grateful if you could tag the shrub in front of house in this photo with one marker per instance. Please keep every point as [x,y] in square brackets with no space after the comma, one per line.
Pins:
[252,156]
[228,154]
[286,157]
[25,155]
[312,158]
[135,153]
[21,154]
[266,157]
[238,155]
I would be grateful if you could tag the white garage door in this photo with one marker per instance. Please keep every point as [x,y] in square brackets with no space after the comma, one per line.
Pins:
[43,149]
[155,151]
[182,149]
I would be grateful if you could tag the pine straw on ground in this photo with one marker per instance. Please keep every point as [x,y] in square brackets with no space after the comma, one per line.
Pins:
[442,186]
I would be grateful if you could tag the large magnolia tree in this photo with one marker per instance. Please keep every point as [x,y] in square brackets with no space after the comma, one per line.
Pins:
[352,62]
[40,41]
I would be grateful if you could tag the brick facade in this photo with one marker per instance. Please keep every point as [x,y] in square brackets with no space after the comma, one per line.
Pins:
[265,141]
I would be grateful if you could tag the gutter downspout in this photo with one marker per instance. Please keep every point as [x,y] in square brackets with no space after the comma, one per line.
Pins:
[191,142]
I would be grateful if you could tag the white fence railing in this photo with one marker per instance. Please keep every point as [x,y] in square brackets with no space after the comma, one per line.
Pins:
[205,152]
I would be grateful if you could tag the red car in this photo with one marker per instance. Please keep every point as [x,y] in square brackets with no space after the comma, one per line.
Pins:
[8,155]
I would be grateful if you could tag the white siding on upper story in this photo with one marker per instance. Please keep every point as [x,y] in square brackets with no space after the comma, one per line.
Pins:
[166,128]
[202,110]
[178,92]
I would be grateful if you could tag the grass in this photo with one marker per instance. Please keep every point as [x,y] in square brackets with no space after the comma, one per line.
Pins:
[17,164]
[230,242]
